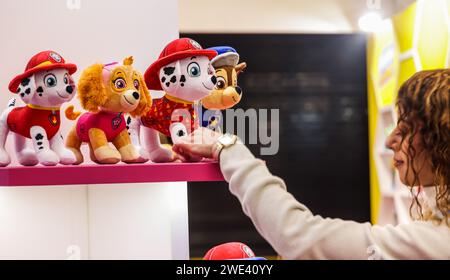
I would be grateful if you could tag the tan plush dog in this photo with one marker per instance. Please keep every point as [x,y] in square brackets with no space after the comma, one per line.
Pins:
[107,92]
[226,93]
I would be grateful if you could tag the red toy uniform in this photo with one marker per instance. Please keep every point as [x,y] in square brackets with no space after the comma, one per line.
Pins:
[111,123]
[160,115]
[20,120]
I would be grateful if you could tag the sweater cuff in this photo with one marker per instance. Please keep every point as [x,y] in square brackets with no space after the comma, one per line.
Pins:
[231,156]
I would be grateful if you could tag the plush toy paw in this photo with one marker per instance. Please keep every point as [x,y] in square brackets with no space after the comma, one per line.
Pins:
[67,157]
[107,155]
[47,157]
[78,156]
[161,155]
[131,155]
[27,157]
[143,153]
[5,160]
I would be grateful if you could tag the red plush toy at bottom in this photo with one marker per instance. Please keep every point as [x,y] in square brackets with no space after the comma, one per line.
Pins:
[231,251]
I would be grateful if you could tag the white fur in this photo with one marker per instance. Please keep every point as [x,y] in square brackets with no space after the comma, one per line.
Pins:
[25,155]
[54,93]
[195,88]
[65,155]
[43,152]
[152,146]
[4,130]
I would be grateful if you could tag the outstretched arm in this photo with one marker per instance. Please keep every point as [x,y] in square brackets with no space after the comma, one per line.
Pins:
[295,233]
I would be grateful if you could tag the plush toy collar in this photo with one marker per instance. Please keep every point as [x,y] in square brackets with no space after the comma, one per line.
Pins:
[177,100]
[37,107]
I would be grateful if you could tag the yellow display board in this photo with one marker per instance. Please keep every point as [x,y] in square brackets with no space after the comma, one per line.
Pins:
[433,34]
[407,69]
[404,28]
[383,64]
[374,183]
[422,34]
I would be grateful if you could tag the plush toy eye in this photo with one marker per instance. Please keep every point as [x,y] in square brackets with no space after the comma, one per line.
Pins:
[50,80]
[136,84]
[220,83]
[193,69]
[120,83]
[66,79]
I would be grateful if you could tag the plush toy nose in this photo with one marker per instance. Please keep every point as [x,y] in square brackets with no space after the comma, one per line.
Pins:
[69,89]
[214,80]
[136,95]
[239,90]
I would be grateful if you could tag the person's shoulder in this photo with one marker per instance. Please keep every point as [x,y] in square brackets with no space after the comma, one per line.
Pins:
[428,230]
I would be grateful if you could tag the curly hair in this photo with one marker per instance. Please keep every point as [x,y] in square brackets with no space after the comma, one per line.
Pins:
[423,104]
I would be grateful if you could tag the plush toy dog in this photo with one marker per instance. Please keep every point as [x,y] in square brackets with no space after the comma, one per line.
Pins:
[226,93]
[184,72]
[107,92]
[44,86]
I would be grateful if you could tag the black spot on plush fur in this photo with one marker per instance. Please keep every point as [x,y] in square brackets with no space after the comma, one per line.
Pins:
[22,94]
[173,79]
[28,91]
[25,82]
[39,143]
[39,136]
[169,70]
[40,89]
[167,84]
[182,80]
[128,120]
[41,148]
[163,79]
[180,133]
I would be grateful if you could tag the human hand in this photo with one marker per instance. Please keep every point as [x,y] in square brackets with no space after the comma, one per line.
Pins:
[200,143]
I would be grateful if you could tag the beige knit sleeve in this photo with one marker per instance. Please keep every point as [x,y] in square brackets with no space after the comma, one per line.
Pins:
[295,233]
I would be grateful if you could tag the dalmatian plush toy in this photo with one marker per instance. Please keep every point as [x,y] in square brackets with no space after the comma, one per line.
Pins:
[44,86]
[184,72]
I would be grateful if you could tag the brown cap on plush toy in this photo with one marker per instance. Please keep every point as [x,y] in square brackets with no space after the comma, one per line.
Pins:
[175,50]
[46,60]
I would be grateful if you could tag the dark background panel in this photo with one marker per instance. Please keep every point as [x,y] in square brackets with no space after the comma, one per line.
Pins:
[318,82]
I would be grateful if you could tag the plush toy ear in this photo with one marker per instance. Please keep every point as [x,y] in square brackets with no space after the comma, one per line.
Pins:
[128,61]
[145,102]
[91,90]
[240,67]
